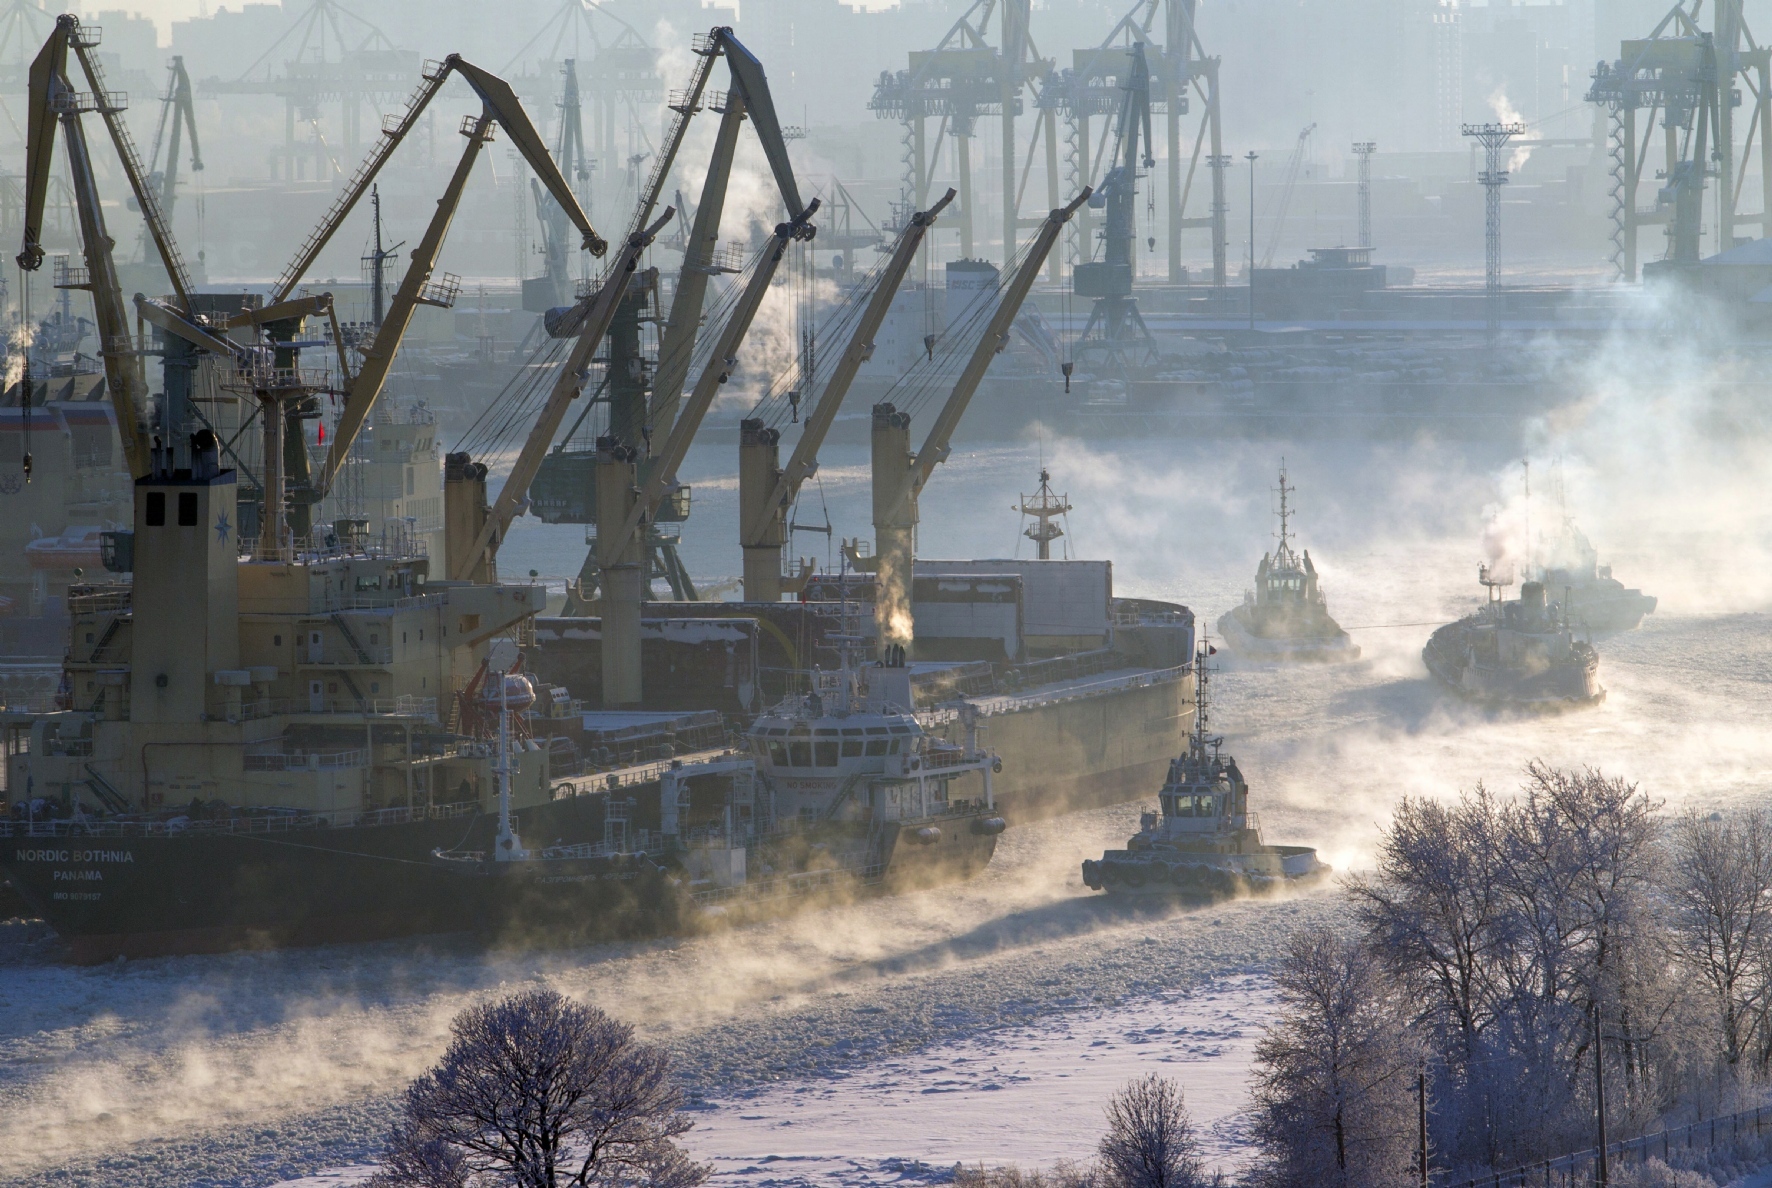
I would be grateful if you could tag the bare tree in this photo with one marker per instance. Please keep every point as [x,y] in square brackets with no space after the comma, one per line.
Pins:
[1334,1080]
[1150,1141]
[1720,884]
[537,1091]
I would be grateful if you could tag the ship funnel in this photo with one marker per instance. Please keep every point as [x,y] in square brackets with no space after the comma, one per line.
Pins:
[205,455]
[1532,595]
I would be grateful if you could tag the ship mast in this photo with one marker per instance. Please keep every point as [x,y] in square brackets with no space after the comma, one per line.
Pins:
[1283,558]
[1044,506]
[509,847]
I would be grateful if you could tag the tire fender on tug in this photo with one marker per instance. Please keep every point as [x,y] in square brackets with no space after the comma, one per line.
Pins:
[989,826]
[928,835]
[1092,874]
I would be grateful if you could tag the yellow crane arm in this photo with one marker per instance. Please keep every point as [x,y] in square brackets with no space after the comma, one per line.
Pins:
[718,370]
[123,378]
[995,337]
[685,105]
[415,290]
[859,349]
[512,495]
[392,133]
[110,107]
[173,321]
[501,101]
[49,65]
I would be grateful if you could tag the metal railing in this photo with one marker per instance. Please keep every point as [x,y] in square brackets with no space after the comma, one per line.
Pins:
[1004,703]
[261,821]
[311,761]
[1580,1168]
[272,707]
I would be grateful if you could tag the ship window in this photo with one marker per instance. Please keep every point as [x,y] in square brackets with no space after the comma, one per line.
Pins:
[852,748]
[779,730]
[799,754]
[876,746]
[825,733]
[876,730]
[847,730]
[276,641]
[827,753]
[187,509]
[778,754]
[156,514]
[897,729]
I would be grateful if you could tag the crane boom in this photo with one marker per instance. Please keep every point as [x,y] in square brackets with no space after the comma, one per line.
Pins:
[515,491]
[110,107]
[53,100]
[498,97]
[718,370]
[415,290]
[1286,188]
[804,461]
[749,97]
[995,337]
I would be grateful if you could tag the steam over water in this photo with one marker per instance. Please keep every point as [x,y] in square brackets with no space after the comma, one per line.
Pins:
[258,1067]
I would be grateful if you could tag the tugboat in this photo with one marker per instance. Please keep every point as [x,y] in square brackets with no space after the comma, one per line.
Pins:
[1592,597]
[1285,617]
[1521,654]
[1204,841]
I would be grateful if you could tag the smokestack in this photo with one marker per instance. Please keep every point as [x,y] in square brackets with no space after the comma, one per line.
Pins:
[895,526]
[763,527]
[464,514]
[621,571]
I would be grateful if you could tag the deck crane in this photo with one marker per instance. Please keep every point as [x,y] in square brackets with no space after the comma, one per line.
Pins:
[53,101]
[899,475]
[638,418]
[765,489]
[476,531]
[1286,187]
[1115,339]
[419,286]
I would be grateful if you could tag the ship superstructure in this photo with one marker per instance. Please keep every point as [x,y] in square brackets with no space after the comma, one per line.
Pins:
[1286,616]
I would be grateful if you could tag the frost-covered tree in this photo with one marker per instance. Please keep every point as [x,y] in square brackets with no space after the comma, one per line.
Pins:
[537,1091]
[1334,1102]
[1150,1140]
[1719,881]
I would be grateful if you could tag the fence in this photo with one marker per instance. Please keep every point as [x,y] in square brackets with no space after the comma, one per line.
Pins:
[1582,1167]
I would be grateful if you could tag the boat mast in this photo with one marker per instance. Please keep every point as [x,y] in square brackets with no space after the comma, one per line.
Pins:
[1283,558]
[510,847]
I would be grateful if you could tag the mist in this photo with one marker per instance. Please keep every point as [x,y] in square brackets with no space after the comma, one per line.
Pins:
[1611,379]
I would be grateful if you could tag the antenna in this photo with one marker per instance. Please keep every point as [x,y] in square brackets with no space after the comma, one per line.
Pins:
[1526,481]
[1283,557]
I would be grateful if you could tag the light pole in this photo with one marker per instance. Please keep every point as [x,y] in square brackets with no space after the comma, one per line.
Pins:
[1250,157]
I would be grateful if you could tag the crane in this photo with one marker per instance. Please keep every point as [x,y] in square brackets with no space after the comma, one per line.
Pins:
[899,475]
[637,417]
[53,102]
[480,531]
[765,490]
[178,111]
[556,288]
[1116,330]
[1285,200]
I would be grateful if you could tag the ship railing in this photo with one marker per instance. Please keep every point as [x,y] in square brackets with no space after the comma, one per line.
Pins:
[628,777]
[265,821]
[1013,677]
[392,707]
[350,600]
[1008,702]
[99,601]
[308,761]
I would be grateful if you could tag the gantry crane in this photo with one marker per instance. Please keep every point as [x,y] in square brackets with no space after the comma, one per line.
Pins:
[765,489]
[899,475]
[1115,340]
[556,288]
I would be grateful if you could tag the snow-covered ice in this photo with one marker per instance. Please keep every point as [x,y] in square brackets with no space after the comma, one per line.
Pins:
[251,1069]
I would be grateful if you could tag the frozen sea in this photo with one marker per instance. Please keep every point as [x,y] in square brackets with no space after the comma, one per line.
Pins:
[881,1042]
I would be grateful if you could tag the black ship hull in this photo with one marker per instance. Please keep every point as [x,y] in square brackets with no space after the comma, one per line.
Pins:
[131,891]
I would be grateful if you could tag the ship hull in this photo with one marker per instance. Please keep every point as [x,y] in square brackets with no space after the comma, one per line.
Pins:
[1214,876]
[1235,634]
[1072,752]
[1562,687]
[114,895]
